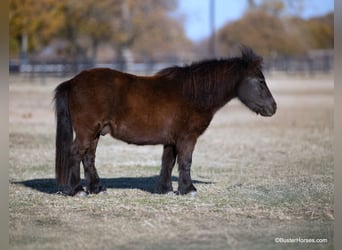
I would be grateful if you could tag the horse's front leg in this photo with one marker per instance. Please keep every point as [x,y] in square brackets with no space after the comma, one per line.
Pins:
[168,162]
[93,180]
[184,160]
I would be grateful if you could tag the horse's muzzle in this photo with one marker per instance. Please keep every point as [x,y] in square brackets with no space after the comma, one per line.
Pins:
[269,110]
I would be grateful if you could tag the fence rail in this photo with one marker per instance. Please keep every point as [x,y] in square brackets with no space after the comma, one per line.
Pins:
[311,64]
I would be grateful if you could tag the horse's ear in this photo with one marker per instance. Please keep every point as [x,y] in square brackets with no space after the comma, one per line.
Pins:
[250,58]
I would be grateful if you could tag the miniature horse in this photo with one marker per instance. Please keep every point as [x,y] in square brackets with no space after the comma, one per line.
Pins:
[173,108]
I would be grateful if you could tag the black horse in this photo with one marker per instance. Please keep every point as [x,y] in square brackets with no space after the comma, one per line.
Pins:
[172,108]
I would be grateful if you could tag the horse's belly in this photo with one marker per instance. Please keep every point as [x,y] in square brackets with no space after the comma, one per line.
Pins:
[142,133]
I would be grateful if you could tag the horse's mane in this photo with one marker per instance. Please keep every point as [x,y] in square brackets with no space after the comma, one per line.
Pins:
[208,82]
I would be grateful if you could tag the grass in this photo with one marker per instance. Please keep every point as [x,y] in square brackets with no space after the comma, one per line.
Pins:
[257,179]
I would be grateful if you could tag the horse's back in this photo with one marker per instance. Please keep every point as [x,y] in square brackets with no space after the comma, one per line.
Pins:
[98,78]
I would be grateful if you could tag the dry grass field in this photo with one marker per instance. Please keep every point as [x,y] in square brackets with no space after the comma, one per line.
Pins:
[258,179]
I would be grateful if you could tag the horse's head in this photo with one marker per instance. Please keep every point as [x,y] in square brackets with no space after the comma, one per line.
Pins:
[252,90]
[254,93]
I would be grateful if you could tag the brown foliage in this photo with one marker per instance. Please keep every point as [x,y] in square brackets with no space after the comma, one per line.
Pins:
[268,34]
[85,25]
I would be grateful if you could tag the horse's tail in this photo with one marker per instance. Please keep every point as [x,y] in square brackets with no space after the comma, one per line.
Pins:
[64,133]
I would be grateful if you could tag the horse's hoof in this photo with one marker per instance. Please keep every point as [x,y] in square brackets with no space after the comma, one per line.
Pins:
[193,194]
[61,193]
[104,192]
[171,193]
[82,194]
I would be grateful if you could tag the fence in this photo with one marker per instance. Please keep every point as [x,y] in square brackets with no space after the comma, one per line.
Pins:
[314,62]
[318,61]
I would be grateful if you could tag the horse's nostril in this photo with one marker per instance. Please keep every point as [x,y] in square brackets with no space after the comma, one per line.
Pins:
[274,105]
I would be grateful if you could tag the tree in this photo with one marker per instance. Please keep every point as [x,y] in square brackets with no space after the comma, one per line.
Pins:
[321,32]
[273,7]
[144,27]
[156,34]
[277,7]
[269,31]
[28,21]
[264,32]
[86,25]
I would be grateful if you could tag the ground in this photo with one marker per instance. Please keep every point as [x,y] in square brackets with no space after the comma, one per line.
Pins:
[258,179]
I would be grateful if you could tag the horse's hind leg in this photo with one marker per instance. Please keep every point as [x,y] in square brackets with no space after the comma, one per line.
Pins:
[93,181]
[168,162]
[73,185]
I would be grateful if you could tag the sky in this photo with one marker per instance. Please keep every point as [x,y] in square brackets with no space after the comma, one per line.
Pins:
[196,13]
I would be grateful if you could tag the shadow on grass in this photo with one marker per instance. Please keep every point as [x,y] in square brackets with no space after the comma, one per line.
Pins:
[147,184]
